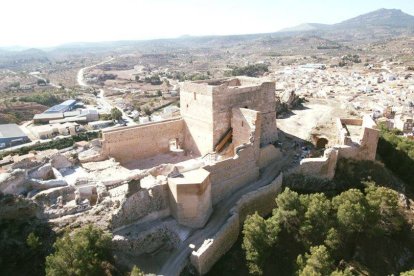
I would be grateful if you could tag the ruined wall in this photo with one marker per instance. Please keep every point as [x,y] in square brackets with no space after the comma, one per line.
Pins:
[254,96]
[366,148]
[138,142]
[231,174]
[147,241]
[262,201]
[267,155]
[369,141]
[323,167]
[246,126]
[139,204]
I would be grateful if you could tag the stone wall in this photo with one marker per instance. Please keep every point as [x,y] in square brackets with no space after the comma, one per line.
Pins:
[262,201]
[142,141]
[229,175]
[190,198]
[267,155]
[137,205]
[206,107]
[249,95]
[196,105]
[323,167]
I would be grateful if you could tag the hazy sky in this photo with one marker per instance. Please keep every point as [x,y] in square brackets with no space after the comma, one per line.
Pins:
[53,22]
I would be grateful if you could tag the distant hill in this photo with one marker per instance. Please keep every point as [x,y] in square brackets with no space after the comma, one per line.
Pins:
[379,18]
[375,26]
[305,27]
[379,24]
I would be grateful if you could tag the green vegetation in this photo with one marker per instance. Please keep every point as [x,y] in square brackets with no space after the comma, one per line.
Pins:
[116,114]
[87,251]
[136,271]
[153,80]
[254,70]
[397,152]
[48,99]
[329,231]
[55,144]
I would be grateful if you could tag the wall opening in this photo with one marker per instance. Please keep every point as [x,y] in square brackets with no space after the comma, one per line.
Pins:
[321,143]
[173,144]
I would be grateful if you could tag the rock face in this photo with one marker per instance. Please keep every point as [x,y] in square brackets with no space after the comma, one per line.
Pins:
[43,172]
[59,161]
[14,182]
[151,197]
[17,207]
[287,100]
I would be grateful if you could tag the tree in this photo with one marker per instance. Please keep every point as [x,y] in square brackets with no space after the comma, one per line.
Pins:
[85,252]
[116,114]
[384,214]
[317,219]
[136,271]
[33,241]
[41,82]
[257,241]
[352,211]
[290,210]
[318,262]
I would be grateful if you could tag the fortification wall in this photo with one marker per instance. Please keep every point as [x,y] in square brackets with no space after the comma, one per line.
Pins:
[262,201]
[267,155]
[323,167]
[190,198]
[138,142]
[231,174]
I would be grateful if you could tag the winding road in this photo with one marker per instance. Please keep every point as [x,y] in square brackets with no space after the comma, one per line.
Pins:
[101,100]
[179,257]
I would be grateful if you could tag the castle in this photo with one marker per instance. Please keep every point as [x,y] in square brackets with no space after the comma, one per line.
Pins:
[222,139]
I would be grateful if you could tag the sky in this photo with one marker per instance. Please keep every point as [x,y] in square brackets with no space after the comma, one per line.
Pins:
[45,23]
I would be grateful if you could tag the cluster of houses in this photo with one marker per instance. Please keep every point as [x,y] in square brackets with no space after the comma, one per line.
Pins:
[387,95]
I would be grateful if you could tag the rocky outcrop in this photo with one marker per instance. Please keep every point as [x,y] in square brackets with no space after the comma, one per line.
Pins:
[152,196]
[14,182]
[60,161]
[17,207]
[287,100]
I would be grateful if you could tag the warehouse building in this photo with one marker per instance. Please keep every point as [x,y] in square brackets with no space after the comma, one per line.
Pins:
[11,135]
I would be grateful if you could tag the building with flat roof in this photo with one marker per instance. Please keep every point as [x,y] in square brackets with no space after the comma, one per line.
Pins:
[63,107]
[11,135]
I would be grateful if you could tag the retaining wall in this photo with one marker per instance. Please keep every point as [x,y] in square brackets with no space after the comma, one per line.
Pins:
[261,200]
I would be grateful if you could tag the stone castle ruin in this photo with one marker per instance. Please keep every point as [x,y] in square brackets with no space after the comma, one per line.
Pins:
[357,139]
[222,139]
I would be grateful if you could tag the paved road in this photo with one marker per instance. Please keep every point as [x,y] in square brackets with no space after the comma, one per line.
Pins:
[101,99]
[178,259]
